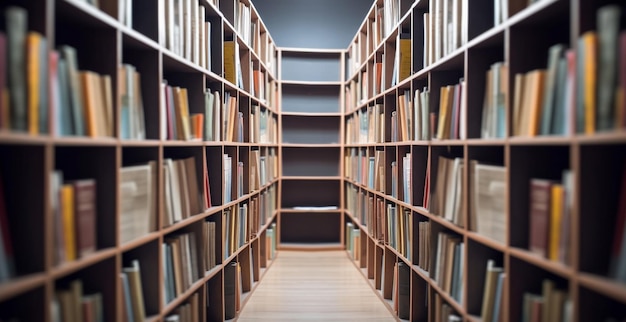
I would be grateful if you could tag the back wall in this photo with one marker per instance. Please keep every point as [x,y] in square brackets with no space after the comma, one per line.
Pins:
[325,24]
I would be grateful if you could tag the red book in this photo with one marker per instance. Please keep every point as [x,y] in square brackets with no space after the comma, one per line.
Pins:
[85,216]
[539,216]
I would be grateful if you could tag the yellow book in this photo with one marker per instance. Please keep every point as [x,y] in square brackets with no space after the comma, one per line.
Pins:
[67,195]
[184,111]
[405,57]
[443,112]
[230,72]
[556,210]
[33,41]
[590,40]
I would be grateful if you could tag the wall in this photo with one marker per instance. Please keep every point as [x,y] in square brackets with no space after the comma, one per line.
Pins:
[313,23]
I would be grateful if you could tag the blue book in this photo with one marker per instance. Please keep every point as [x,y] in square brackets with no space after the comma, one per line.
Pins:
[127,301]
[498,298]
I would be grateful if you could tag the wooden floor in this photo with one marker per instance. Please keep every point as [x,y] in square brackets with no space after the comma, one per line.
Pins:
[314,286]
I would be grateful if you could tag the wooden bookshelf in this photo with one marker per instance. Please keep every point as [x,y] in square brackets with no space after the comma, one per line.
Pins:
[138,133]
[311,126]
[482,46]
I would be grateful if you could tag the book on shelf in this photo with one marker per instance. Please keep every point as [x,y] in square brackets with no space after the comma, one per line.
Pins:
[450,109]
[138,188]
[449,252]
[71,304]
[187,311]
[448,194]
[551,305]
[424,232]
[421,115]
[183,195]
[209,235]
[492,292]
[487,213]
[75,216]
[494,102]
[550,217]
[132,284]
[182,263]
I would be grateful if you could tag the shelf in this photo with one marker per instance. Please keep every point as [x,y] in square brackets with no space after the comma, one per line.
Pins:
[310,178]
[310,246]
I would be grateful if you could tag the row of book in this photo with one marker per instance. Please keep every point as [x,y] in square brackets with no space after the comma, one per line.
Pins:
[71,304]
[263,126]
[550,217]
[401,192]
[180,264]
[189,311]
[493,294]
[236,230]
[444,28]
[75,210]
[443,312]
[183,29]
[449,265]
[133,294]
[184,196]
[262,208]
[401,292]
[44,91]
[353,241]
[244,25]
[424,247]
[445,198]
[553,304]
[209,236]
[399,229]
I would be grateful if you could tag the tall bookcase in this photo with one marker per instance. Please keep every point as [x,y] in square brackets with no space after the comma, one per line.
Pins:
[222,230]
[311,123]
[476,213]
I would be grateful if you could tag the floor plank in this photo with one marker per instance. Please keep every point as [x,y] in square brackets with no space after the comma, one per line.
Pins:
[314,286]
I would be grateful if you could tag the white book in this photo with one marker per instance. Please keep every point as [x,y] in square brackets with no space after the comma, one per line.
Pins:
[186,29]
[202,43]
[207,36]
[176,193]
[136,192]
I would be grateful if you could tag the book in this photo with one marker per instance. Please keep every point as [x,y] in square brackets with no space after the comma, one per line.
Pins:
[74,90]
[608,26]
[85,216]
[133,273]
[68,219]
[539,226]
[16,28]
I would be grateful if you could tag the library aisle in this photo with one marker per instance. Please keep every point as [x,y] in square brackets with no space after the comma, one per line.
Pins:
[314,286]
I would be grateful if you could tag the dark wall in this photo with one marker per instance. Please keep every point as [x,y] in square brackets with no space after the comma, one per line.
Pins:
[313,23]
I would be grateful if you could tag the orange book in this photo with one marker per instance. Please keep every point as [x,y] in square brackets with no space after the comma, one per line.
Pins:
[535,100]
[556,211]
[590,40]
[89,102]
[33,41]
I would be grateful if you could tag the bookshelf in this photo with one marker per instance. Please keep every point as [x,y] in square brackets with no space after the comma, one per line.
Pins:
[311,125]
[139,172]
[470,163]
